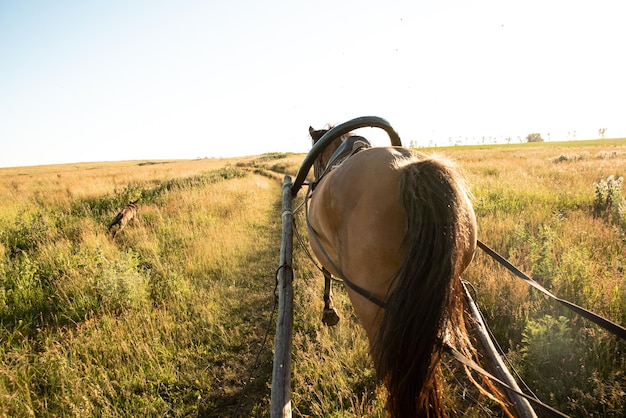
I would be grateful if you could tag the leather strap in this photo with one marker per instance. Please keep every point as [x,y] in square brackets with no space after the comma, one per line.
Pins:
[612,327]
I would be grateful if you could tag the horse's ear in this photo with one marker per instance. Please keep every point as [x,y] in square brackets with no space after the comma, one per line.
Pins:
[315,134]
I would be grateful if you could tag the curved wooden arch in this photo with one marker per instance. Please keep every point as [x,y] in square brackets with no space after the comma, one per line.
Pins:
[336,132]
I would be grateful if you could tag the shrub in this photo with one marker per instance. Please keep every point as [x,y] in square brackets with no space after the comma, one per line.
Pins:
[25,234]
[534,137]
[120,285]
[22,292]
[609,203]
[608,194]
[550,362]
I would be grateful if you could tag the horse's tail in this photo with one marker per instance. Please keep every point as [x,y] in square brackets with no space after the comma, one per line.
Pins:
[425,302]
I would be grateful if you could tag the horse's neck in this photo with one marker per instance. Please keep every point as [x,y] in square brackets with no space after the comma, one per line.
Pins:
[321,163]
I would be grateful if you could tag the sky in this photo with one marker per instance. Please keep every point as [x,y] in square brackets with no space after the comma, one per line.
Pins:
[84,81]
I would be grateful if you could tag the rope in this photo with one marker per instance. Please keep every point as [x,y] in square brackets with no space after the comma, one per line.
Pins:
[305,248]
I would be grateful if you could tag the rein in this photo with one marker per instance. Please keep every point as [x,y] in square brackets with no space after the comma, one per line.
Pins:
[612,327]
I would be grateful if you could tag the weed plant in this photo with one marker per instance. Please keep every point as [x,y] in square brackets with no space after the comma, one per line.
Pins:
[609,202]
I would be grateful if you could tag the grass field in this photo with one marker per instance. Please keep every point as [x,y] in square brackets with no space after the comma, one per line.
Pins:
[168,319]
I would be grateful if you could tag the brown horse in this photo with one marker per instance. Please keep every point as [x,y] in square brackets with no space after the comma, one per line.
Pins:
[399,228]
[129,213]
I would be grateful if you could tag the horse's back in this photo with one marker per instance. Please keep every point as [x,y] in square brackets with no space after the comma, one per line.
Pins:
[359,195]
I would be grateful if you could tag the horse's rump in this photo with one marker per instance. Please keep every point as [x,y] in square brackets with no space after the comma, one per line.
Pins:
[399,224]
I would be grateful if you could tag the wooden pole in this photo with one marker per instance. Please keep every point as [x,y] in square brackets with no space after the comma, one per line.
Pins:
[520,404]
[281,374]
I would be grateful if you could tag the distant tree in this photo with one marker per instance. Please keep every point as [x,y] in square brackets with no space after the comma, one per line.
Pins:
[535,137]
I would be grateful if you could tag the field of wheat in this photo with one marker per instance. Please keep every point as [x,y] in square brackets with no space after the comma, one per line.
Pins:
[174,316]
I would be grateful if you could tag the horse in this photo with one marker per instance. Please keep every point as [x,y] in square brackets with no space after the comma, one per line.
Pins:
[129,213]
[399,228]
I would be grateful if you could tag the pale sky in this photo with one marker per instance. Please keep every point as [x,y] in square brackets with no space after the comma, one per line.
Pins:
[120,80]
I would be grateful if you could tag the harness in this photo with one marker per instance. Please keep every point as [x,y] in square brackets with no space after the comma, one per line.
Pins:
[350,146]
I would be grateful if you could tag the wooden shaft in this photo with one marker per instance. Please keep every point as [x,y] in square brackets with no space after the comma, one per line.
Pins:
[281,374]
[498,368]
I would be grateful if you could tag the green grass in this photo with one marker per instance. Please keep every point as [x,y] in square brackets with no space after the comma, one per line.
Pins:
[168,319]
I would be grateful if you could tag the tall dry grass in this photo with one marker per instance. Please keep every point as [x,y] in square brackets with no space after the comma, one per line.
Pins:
[168,319]
[165,320]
